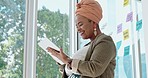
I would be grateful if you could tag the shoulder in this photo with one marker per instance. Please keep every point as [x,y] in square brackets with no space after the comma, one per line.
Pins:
[103,38]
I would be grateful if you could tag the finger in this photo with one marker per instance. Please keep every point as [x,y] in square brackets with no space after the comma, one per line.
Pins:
[61,50]
[58,63]
[51,50]
[54,54]
[54,49]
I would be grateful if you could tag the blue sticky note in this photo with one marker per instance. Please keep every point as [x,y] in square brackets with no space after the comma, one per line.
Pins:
[118,44]
[139,25]
[126,50]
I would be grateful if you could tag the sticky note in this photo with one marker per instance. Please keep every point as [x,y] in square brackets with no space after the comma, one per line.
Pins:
[118,44]
[129,17]
[126,2]
[126,34]
[126,50]
[119,28]
[139,25]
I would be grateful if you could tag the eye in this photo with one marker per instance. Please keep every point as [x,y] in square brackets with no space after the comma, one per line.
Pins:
[80,24]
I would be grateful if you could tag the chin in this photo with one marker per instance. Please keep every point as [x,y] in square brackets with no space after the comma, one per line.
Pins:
[84,37]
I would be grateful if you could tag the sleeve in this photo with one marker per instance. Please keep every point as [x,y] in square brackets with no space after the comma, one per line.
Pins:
[74,65]
[102,54]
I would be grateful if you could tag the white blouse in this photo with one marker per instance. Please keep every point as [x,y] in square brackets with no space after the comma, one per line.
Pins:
[80,54]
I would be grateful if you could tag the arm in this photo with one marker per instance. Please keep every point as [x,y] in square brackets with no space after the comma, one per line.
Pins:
[102,54]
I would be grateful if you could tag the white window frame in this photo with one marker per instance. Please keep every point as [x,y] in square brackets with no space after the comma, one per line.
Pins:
[29,69]
[73,32]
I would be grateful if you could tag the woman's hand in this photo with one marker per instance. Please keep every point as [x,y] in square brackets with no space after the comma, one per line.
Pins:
[59,54]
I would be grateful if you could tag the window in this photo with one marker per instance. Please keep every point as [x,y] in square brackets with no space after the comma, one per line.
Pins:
[53,23]
[12,16]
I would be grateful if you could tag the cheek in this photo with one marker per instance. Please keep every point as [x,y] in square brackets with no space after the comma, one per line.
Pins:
[89,31]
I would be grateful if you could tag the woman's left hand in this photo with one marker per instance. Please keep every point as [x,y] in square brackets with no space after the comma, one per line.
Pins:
[59,54]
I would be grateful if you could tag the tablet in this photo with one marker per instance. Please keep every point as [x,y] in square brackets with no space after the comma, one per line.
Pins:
[44,43]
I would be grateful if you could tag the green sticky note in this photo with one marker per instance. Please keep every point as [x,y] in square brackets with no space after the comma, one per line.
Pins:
[118,44]
[138,25]
[126,50]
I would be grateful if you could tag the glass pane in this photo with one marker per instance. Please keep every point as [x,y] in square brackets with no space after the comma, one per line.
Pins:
[53,23]
[12,18]
[141,45]
[124,39]
[125,28]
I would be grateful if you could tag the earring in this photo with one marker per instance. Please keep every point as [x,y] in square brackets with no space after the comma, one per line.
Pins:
[95,32]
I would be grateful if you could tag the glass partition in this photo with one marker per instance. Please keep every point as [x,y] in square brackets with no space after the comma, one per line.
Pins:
[122,20]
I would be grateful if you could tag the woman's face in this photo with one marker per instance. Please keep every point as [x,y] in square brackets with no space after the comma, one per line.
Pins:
[84,27]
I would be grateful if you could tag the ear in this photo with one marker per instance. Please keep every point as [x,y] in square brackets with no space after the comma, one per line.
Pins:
[94,25]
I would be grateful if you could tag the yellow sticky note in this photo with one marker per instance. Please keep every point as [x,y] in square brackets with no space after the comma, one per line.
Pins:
[126,34]
[126,2]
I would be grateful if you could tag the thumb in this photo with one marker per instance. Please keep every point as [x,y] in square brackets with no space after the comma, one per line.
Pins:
[61,50]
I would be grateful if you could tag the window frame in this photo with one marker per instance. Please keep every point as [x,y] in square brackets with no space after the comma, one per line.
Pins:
[29,67]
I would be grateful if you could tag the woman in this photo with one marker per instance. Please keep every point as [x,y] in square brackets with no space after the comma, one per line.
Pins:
[97,58]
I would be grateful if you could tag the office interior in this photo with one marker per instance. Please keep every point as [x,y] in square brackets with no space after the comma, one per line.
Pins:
[24,23]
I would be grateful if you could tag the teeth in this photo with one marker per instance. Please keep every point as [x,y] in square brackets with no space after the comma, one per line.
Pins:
[81,33]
